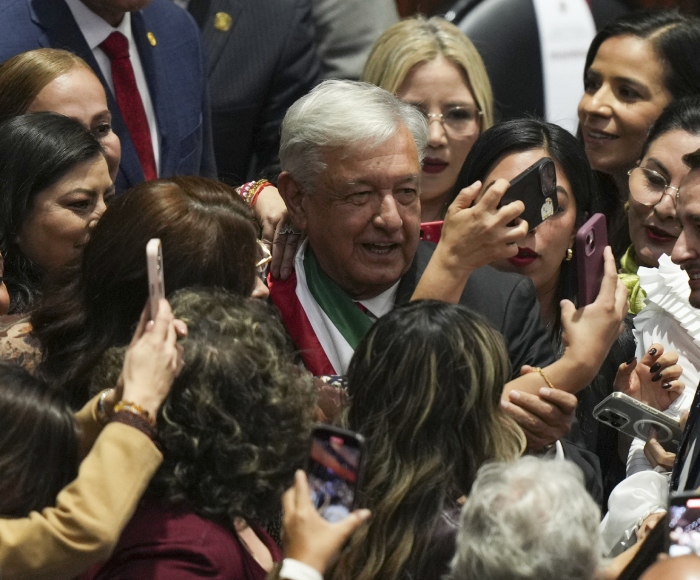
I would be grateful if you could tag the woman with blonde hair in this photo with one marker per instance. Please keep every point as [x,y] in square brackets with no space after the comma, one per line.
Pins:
[425,385]
[50,79]
[432,65]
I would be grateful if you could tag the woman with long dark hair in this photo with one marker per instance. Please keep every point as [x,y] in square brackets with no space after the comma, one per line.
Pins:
[425,385]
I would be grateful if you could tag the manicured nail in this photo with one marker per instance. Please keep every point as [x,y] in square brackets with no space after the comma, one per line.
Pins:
[652,351]
[656,377]
[514,395]
[654,368]
[666,386]
[629,362]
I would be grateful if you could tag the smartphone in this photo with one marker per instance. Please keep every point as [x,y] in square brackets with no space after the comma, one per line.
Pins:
[536,187]
[636,419]
[431,231]
[156,281]
[334,469]
[591,239]
[683,527]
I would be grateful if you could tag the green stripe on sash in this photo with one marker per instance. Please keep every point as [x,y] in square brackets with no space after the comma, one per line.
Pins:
[352,323]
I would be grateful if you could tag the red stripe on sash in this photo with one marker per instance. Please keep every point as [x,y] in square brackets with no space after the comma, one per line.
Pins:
[284,297]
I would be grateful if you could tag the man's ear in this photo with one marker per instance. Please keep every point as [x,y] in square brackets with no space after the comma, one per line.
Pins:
[292,195]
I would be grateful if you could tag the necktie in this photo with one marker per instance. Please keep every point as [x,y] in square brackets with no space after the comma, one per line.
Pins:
[116,47]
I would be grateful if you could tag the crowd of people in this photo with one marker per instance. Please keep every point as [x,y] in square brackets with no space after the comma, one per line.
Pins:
[339,252]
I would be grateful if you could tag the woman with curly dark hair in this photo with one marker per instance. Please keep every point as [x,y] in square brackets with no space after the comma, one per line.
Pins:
[233,430]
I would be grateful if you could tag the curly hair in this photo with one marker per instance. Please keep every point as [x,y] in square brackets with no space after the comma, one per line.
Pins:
[237,421]
[425,386]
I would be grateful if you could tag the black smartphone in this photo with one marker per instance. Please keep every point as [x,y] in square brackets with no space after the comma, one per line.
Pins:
[536,187]
[334,470]
[683,528]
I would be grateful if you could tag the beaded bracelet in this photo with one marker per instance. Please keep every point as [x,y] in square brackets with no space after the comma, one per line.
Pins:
[135,409]
[256,189]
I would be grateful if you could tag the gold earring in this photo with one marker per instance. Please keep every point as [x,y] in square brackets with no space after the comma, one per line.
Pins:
[569,255]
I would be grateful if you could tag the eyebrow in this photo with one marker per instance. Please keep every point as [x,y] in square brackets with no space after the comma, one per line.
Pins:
[659,165]
[412,178]
[629,80]
[560,188]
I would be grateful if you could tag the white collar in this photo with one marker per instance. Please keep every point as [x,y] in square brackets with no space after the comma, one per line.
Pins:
[378,305]
[95,29]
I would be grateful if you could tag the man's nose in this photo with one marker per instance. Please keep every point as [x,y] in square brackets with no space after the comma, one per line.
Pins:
[388,217]
[681,251]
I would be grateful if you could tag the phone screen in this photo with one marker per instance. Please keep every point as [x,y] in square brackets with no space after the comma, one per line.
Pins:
[333,470]
[684,526]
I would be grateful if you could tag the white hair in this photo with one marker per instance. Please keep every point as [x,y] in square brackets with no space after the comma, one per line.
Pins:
[532,519]
[339,114]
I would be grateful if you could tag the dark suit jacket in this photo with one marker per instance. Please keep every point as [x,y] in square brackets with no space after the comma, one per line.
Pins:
[505,34]
[507,301]
[264,62]
[174,68]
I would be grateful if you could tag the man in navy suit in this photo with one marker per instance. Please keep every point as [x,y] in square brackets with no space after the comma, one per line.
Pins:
[168,65]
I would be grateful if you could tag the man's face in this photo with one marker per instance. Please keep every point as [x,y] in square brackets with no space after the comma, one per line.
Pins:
[113,11]
[363,220]
[686,252]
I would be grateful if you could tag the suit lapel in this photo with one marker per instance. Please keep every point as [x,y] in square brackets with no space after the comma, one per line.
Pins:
[61,31]
[218,20]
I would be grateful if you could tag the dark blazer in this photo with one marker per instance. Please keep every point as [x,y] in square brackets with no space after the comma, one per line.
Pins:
[505,34]
[174,68]
[258,67]
[507,301]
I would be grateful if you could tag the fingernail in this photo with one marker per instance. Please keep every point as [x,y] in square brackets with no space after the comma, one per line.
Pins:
[652,351]
[629,362]
[545,391]
[656,377]
[514,395]
[654,368]
[666,386]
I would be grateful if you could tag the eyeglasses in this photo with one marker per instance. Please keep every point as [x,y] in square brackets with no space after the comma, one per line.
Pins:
[648,186]
[264,258]
[457,121]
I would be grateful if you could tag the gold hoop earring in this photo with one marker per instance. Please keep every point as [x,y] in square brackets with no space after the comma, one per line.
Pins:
[569,255]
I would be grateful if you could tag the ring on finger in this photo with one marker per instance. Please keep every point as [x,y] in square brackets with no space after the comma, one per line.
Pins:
[288,229]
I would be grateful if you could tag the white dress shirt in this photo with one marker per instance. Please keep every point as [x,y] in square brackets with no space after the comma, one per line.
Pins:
[96,30]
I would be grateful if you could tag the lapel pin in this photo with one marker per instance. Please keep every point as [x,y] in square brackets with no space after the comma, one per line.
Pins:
[151,38]
[223,21]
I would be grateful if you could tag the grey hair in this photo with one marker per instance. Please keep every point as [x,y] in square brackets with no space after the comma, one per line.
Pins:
[532,519]
[338,114]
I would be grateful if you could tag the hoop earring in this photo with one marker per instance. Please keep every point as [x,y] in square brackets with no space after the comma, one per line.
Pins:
[569,255]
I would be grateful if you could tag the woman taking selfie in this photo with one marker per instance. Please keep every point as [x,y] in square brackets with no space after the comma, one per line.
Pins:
[433,66]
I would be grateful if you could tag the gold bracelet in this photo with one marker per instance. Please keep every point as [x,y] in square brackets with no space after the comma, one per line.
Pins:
[135,409]
[546,378]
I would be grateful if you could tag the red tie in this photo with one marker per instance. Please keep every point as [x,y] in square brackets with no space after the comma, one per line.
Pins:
[116,47]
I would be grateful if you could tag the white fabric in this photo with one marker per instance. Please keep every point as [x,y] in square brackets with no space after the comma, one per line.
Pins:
[96,30]
[295,570]
[670,320]
[630,503]
[566,29]
[337,349]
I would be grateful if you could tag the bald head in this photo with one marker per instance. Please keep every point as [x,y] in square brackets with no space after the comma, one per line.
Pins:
[680,568]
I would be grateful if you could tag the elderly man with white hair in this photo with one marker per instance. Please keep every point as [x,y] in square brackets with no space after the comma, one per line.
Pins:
[351,159]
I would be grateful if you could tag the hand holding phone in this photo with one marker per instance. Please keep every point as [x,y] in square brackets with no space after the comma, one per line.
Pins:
[636,419]
[156,280]
[591,239]
[334,470]
[536,187]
